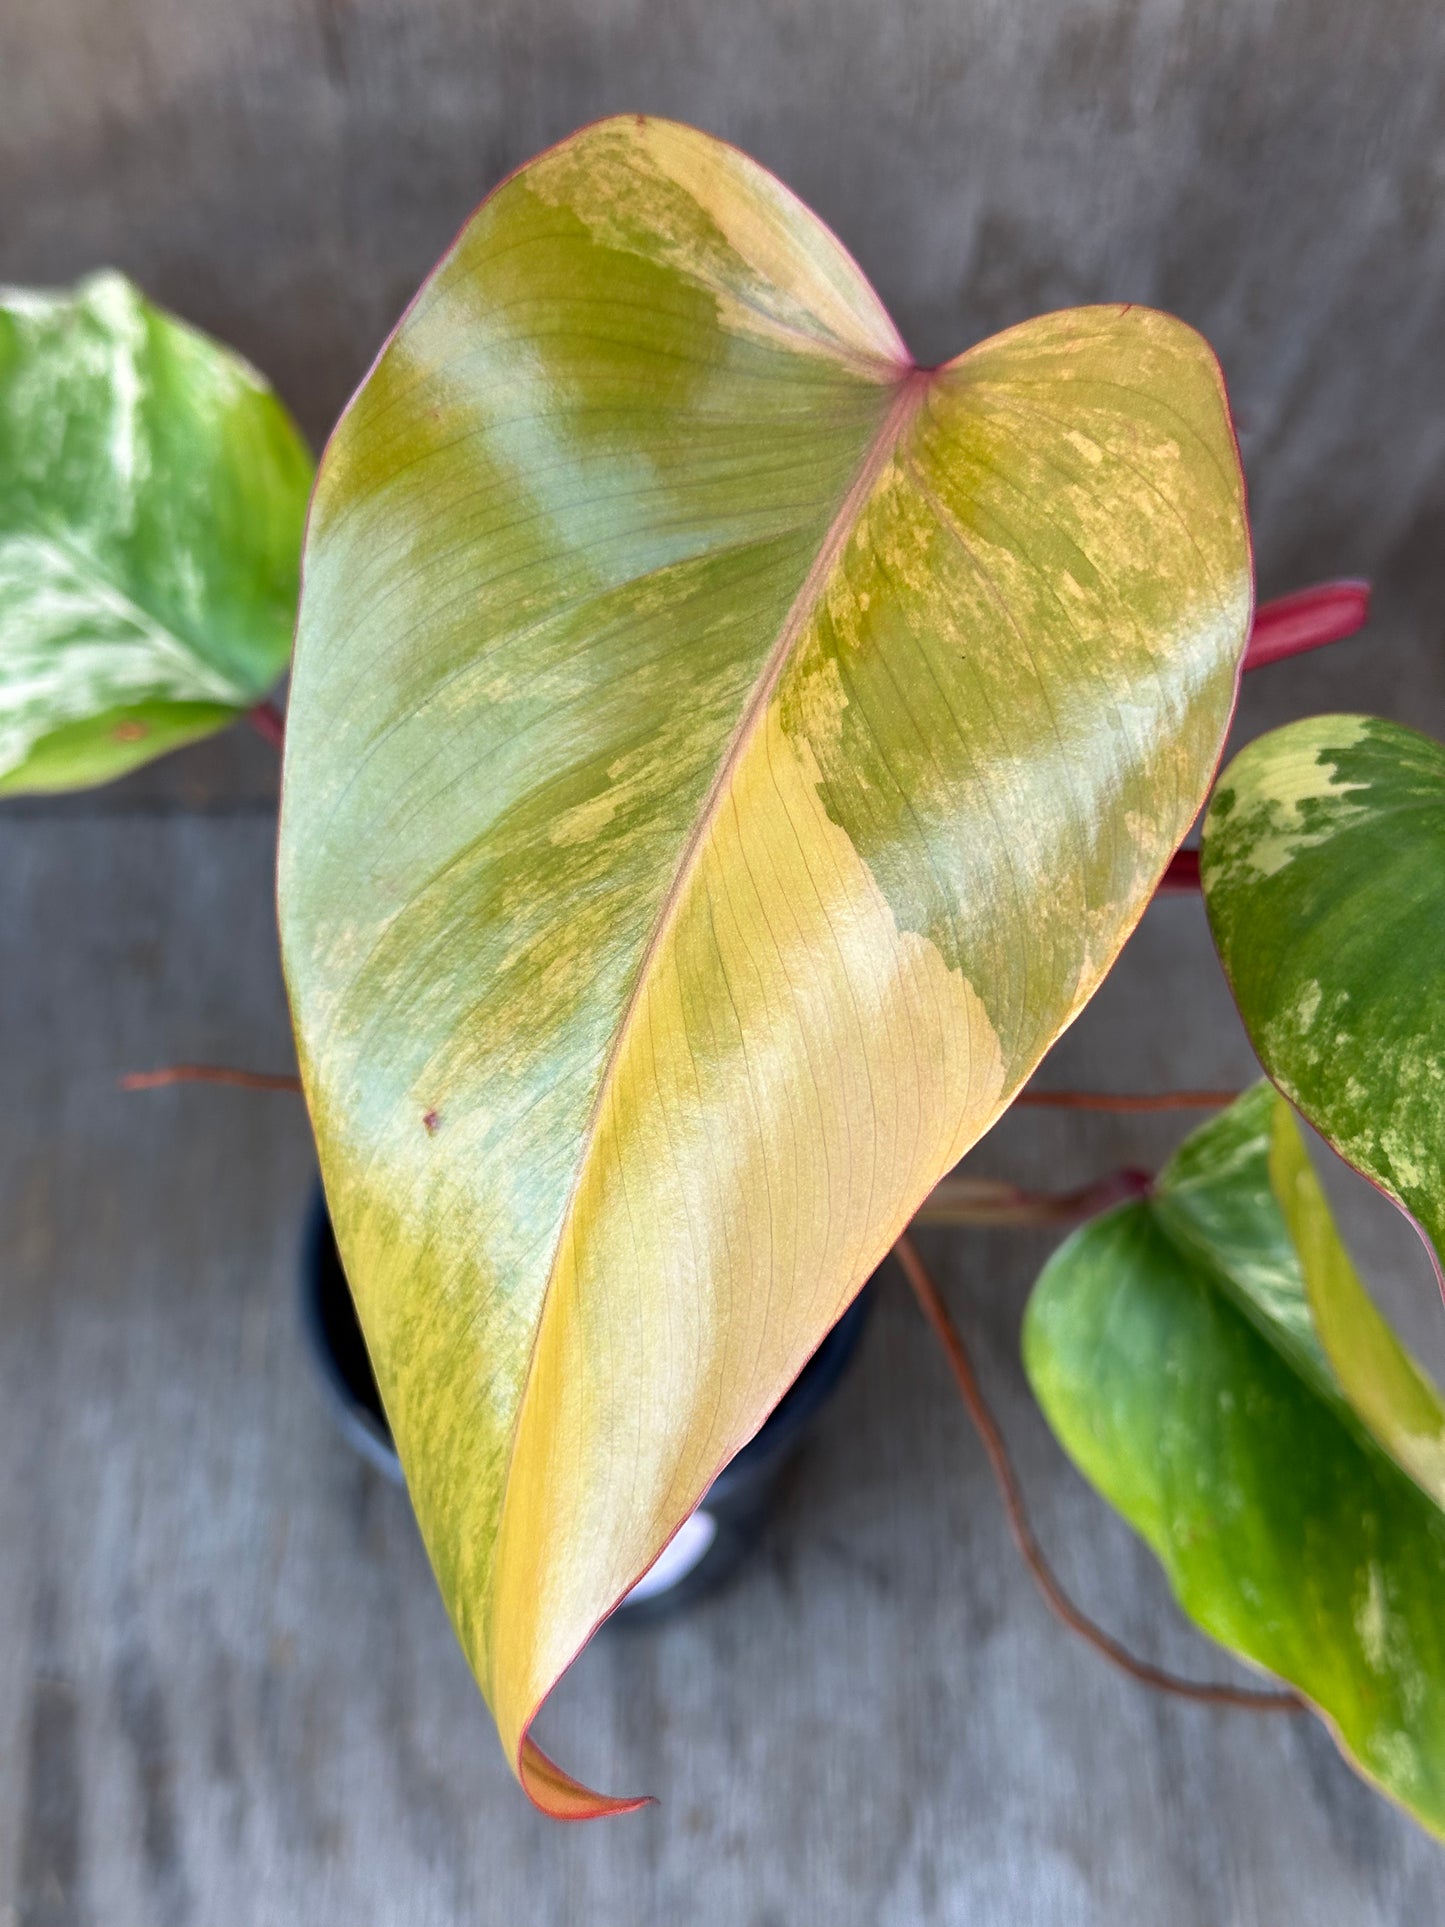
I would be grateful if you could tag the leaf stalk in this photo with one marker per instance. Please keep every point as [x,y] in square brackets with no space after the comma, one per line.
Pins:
[930,1303]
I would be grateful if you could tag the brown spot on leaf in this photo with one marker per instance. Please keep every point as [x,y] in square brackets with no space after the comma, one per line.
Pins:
[130,732]
[430,1122]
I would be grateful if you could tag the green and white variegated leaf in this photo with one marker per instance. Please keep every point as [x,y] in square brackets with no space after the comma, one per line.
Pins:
[152,498]
[1323,865]
[1186,1359]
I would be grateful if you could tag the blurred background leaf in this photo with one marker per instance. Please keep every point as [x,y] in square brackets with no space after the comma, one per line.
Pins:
[152,497]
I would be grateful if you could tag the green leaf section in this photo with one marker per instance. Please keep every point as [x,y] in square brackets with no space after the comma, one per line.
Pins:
[152,499]
[1323,866]
[1177,1352]
[1385,1386]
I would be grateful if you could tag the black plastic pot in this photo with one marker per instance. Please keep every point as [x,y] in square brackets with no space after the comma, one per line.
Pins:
[708,1546]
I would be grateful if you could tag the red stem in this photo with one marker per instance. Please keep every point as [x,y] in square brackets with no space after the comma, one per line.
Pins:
[957,1200]
[209,1074]
[1111,1101]
[930,1303]
[1182,873]
[1308,619]
[268,719]
[1080,1203]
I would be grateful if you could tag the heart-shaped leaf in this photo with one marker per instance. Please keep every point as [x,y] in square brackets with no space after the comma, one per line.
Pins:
[1177,1353]
[152,496]
[1323,866]
[722,757]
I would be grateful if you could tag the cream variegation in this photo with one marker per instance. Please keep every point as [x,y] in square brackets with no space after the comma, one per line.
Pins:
[1322,863]
[722,757]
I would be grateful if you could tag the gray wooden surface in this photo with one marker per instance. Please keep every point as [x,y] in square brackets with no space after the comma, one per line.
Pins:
[228,1694]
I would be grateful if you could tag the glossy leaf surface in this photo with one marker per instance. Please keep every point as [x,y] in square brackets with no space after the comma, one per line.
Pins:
[152,496]
[1323,867]
[721,758]
[1177,1352]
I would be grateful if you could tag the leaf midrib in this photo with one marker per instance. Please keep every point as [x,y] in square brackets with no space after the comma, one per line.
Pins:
[911,392]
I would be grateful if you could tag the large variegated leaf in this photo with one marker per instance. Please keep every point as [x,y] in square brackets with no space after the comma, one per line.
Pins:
[1323,866]
[722,757]
[152,495]
[1182,1353]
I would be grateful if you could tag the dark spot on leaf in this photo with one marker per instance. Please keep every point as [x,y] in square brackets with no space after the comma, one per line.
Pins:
[431,1121]
[130,732]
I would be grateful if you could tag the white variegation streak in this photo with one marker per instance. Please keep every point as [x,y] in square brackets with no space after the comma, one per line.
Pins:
[75,644]
[151,500]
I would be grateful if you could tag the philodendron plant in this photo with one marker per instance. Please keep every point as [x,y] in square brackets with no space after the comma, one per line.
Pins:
[721,757]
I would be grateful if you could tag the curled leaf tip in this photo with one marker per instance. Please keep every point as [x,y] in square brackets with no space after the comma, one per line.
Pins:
[560,1797]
